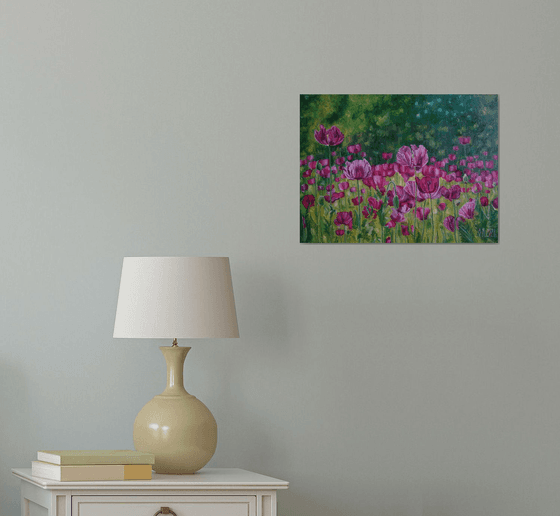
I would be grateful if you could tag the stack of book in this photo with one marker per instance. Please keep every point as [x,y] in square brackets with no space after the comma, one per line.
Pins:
[76,465]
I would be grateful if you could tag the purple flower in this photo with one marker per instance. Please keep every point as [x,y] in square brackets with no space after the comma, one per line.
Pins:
[344,218]
[340,232]
[467,210]
[484,201]
[450,223]
[356,201]
[329,137]
[344,185]
[464,140]
[308,201]
[429,186]
[413,156]
[374,203]
[451,193]
[358,169]
[495,203]
[422,213]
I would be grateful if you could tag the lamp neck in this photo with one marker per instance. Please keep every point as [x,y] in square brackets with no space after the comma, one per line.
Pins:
[175,359]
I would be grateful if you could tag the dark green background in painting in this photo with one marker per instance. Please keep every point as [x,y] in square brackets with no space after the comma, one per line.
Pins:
[383,123]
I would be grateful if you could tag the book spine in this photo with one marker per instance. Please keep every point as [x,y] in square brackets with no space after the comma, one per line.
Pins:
[92,472]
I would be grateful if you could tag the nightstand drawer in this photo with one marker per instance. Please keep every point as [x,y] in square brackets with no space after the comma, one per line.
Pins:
[190,505]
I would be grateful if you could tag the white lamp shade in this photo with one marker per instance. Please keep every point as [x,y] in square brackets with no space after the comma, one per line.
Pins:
[176,297]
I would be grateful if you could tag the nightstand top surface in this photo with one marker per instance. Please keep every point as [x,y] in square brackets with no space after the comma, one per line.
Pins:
[206,478]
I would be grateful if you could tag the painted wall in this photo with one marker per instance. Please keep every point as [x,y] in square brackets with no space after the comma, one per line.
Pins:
[378,380]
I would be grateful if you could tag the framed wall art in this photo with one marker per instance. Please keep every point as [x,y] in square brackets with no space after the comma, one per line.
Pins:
[399,169]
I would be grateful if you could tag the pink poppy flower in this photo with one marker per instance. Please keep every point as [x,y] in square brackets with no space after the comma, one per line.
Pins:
[442,206]
[485,153]
[353,189]
[404,230]
[387,155]
[455,147]
[325,172]
[450,223]
[312,164]
[451,193]
[356,201]
[340,161]
[340,232]
[391,224]
[422,213]
[429,186]
[495,203]
[413,156]
[452,157]
[405,171]
[308,201]
[373,214]
[495,156]
[363,154]
[484,201]
[302,162]
[365,212]
[358,169]
[344,185]
[467,210]
[374,203]
[321,187]
[329,137]
[357,147]
[311,181]
[388,240]
[463,163]
[324,162]
[304,188]
[334,197]
[350,149]
[307,173]
[464,140]
[310,158]
[344,218]
[489,164]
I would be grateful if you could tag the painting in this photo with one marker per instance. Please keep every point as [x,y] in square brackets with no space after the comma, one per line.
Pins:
[406,169]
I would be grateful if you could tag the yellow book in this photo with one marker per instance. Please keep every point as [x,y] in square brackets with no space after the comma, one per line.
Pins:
[82,457]
[91,472]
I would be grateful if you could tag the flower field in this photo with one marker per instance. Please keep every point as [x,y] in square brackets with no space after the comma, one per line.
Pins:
[349,195]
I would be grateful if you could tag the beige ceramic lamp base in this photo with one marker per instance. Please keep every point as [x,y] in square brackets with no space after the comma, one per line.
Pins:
[175,426]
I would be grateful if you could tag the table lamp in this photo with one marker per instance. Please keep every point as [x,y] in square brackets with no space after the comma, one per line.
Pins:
[175,298]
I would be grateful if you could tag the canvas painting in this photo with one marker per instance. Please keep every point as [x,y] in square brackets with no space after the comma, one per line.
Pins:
[389,169]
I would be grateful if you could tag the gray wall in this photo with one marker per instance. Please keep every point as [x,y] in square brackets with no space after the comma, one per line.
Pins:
[378,380]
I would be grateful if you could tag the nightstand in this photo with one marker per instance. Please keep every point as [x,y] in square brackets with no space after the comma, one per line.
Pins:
[209,492]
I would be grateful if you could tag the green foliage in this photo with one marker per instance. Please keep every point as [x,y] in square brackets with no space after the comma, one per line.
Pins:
[383,123]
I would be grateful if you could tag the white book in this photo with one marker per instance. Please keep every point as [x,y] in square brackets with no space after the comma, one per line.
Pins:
[78,457]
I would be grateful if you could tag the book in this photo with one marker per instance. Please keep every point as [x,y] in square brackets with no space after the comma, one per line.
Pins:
[83,457]
[91,471]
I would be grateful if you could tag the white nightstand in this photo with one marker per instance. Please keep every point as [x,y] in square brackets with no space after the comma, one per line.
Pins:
[209,492]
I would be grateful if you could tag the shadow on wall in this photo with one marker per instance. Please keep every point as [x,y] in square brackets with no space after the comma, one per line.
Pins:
[15,436]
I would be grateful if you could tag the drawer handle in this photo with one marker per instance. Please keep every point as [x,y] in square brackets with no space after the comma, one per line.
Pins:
[165,510]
